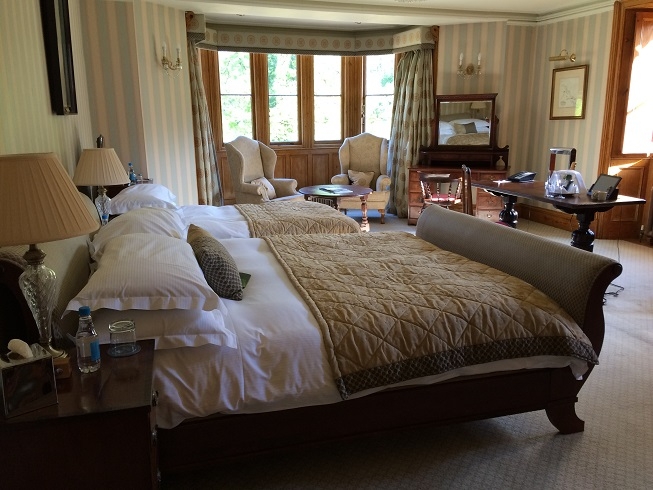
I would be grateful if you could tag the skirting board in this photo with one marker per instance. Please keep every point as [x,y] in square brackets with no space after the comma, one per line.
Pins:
[550,217]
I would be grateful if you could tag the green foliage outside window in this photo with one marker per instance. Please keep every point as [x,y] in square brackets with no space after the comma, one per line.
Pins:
[379,94]
[283,99]
[236,95]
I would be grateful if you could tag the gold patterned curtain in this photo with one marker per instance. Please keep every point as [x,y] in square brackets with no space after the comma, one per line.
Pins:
[209,186]
[412,119]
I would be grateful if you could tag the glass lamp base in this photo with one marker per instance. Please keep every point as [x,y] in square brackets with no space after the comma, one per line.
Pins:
[103,205]
[38,284]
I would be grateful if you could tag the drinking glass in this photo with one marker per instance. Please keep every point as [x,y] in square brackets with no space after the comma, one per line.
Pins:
[122,337]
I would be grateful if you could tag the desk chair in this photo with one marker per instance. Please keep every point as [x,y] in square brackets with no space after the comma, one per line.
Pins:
[441,190]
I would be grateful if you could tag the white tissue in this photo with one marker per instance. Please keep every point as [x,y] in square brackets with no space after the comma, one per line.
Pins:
[21,348]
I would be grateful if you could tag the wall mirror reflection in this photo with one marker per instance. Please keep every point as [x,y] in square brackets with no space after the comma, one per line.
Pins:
[466,120]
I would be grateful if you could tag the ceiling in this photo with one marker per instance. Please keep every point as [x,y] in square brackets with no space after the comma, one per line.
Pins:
[379,14]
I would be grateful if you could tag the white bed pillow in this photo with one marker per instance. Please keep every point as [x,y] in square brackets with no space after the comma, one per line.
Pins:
[145,220]
[170,328]
[143,196]
[142,271]
[445,128]
[481,125]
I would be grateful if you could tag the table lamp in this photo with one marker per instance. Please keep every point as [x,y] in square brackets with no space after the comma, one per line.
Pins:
[39,203]
[100,167]
[477,106]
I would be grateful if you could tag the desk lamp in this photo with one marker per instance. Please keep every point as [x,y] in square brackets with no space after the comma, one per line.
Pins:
[477,106]
[39,203]
[100,167]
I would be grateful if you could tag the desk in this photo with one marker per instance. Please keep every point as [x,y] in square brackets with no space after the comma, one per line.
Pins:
[333,191]
[581,205]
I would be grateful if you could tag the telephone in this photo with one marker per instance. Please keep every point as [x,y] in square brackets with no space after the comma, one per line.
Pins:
[522,177]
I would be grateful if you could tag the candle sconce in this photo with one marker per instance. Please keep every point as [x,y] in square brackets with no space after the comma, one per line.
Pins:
[470,70]
[172,69]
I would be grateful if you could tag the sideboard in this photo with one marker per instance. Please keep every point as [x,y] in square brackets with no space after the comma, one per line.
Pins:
[486,163]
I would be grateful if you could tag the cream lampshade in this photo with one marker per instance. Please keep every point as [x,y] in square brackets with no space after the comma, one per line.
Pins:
[477,106]
[39,203]
[100,167]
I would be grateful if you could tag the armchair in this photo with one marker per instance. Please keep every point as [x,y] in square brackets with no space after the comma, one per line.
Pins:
[252,173]
[364,161]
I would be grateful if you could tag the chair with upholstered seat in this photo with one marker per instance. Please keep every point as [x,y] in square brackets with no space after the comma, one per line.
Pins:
[466,193]
[440,190]
[364,162]
[252,173]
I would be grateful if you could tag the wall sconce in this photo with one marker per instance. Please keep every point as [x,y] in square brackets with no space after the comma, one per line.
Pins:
[469,70]
[563,56]
[172,70]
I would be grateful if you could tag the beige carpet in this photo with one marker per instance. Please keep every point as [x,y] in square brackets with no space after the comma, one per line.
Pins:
[517,452]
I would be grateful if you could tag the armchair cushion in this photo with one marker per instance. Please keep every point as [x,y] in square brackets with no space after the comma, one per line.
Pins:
[269,188]
[360,178]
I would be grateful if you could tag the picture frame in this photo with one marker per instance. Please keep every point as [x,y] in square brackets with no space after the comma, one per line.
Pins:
[569,92]
[55,22]
[606,183]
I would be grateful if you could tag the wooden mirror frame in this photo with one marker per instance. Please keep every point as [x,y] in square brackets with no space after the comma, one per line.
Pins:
[55,21]
[463,100]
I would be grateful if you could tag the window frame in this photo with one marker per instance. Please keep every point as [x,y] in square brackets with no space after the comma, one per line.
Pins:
[351,99]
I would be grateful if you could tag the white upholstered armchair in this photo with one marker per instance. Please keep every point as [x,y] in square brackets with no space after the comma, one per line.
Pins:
[364,161]
[252,173]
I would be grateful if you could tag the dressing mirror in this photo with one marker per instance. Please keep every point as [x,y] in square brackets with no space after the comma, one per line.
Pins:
[466,120]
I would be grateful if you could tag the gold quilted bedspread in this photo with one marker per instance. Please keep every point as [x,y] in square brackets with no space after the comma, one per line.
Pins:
[393,307]
[295,218]
[469,139]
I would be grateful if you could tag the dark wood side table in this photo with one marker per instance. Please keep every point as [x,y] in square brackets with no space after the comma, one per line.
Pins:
[335,191]
[101,434]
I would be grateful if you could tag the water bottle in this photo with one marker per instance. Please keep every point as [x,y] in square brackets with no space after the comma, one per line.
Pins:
[132,174]
[88,343]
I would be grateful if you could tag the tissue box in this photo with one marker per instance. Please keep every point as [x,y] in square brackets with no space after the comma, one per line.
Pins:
[27,384]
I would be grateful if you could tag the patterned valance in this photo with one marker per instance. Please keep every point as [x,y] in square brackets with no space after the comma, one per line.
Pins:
[260,40]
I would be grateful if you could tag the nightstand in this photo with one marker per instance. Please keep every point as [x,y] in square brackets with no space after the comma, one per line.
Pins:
[100,434]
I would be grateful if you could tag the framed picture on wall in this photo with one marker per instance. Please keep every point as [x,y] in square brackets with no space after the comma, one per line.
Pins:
[55,21]
[569,92]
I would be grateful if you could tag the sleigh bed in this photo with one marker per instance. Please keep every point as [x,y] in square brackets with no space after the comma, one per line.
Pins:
[279,395]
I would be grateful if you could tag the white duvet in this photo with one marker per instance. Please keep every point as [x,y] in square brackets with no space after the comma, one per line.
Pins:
[280,363]
[221,221]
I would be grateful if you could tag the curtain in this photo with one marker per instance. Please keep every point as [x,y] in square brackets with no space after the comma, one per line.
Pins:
[412,119]
[209,187]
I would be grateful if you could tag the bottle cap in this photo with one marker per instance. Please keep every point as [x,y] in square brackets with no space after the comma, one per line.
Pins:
[84,311]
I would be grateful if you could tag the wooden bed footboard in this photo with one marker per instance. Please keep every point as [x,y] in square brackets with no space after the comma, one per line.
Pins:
[576,279]
[220,439]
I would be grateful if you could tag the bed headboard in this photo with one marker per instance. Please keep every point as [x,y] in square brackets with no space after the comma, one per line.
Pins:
[69,259]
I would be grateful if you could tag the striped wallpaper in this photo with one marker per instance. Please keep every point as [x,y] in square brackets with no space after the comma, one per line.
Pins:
[145,115]
[515,64]
[141,111]
[27,124]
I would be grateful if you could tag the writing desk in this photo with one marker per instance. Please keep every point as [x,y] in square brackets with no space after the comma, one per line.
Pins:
[581,205]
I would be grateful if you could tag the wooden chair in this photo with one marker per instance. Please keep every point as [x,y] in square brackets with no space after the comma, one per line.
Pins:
[441,190]
[466,194]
